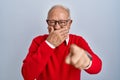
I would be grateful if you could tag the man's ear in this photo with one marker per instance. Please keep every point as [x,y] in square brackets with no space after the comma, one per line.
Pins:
[70,22]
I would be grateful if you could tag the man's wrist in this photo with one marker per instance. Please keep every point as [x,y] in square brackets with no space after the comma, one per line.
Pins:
[87,67]
[90,62]
[49,44]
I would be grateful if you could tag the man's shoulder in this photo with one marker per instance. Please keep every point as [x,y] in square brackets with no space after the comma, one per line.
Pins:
[77,39]
[75,36]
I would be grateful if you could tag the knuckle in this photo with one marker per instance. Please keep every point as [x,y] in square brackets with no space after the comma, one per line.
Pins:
[74,61]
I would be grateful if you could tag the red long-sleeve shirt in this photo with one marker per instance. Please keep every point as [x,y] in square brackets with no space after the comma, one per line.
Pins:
[44,63]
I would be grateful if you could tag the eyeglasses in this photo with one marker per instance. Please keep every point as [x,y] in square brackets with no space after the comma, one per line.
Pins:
[60,22]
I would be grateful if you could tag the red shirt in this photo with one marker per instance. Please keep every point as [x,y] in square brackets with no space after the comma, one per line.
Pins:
[44,63]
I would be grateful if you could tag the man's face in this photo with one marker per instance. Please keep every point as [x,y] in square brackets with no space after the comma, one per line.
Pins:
[58,18]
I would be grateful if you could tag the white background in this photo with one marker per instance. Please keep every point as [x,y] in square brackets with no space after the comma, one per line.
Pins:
[98,21]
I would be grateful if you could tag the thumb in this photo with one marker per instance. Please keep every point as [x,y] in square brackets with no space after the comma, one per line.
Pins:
[51,29]
[75,53]
[68,58]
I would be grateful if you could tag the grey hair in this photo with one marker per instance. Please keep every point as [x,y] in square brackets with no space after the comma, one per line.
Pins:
[61,6]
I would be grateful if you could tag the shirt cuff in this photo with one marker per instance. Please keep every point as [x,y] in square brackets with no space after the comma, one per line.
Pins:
[49,44]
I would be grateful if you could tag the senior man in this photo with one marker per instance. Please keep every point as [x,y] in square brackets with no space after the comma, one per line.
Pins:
[59,55]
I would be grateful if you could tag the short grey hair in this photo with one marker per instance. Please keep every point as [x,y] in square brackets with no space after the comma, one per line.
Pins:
[60,6]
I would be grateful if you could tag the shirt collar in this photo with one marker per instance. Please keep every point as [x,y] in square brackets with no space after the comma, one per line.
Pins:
[67,40]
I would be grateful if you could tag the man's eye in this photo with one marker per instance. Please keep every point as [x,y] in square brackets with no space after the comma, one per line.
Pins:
[52,21]
[62,22]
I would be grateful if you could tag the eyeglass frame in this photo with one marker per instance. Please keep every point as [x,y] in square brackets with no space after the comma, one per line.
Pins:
[57,21]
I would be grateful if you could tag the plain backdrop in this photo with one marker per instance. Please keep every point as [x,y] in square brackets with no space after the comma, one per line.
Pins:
[98,21]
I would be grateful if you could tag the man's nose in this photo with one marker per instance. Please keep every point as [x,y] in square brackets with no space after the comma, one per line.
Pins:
[57,26]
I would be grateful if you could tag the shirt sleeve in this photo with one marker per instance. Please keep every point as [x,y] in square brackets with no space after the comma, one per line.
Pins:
[36,60]
[96,64]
